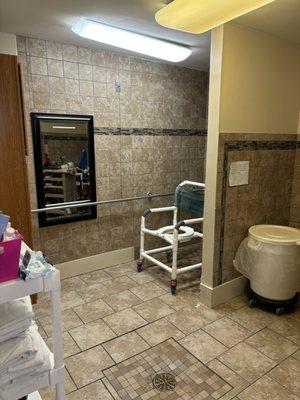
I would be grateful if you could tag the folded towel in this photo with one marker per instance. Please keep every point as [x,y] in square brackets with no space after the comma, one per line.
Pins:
[17,350]
[23,386]
[30,356]
[15,317]
[18,387]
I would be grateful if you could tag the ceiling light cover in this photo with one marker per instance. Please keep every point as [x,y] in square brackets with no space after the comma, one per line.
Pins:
[198,16]
[131,41]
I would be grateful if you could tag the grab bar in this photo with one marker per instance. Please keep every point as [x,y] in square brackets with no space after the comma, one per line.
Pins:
[74,204]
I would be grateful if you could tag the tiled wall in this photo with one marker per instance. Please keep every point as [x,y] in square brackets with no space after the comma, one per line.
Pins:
[167,106]
[295,201]
[266,199]
[65,78]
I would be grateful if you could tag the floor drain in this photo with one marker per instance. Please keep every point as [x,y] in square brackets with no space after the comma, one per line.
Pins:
[164,381]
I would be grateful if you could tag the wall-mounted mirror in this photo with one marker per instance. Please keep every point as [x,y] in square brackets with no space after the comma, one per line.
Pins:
[64,166]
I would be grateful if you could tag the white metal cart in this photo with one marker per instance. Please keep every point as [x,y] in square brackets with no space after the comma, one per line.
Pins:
[176,233]
[18,288]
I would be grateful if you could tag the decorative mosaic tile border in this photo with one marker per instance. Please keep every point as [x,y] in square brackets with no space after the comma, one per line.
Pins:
[262,145]
[251,145]
[149,132]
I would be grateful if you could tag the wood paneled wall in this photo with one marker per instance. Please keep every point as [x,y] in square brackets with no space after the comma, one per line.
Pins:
[14,192]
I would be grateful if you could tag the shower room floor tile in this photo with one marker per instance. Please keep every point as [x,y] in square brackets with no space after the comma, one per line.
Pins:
[144,323]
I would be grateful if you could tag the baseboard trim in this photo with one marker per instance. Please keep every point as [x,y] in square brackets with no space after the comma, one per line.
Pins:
[212,297]
[92,263]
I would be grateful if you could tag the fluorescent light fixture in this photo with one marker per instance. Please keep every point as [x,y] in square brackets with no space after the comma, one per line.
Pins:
[198,16]
[63,127]
[131,41]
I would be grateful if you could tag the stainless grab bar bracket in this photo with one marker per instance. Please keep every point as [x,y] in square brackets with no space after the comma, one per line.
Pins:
[150,195]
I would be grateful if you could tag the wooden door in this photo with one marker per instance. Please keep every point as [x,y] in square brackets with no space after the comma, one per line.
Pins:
[14,189]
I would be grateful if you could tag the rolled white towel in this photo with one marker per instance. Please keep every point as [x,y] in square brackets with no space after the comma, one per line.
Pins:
[15,317]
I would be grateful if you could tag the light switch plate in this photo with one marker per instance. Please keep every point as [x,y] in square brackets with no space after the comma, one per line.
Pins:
[117,86]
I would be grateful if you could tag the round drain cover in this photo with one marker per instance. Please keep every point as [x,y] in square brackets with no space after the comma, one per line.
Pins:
[164,381]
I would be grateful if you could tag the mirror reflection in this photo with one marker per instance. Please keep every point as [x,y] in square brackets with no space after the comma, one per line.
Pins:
[66,170]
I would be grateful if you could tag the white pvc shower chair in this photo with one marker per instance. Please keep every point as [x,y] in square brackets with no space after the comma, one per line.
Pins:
[176,233]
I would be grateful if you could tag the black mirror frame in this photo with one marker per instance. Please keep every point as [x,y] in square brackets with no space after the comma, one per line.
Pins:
[35,124]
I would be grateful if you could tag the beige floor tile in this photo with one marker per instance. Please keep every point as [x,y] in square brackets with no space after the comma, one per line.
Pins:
[236,381]
[266,388]
[120,283]
[224,309]
[94,391]
[69,320]
[147,291]
[122,300]
[207,312]
[122,269]
[94,310]
[70,299]
[124,321]
[227,331]
[253,319]
[95,277]
[70,346]
[165,285]
[203,346]
[287,327]
[95,292]
[153,309]
[296,313]
[41,330]
[142,277]
[48,393]
[86,367]
[183,299]
[91,334]
[188,321]
[238,302]
[297,355]
[247,361]
[159,331]
[288,374]
[73,283]
[125,346]
[272,345]
[111,389]
[42,308]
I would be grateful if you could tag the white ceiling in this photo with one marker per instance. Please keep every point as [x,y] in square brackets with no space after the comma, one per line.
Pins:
[51,19]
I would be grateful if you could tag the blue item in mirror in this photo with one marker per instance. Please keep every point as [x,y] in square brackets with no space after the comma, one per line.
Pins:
[83,162]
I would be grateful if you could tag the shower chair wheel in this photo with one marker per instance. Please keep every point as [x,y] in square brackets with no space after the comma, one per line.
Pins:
[252,303]
[173,285]
[140,266]
[169,256]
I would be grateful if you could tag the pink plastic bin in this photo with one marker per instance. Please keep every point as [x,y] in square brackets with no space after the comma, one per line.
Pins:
[9,259]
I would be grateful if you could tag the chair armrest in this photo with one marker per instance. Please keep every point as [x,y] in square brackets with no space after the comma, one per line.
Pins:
[159,209]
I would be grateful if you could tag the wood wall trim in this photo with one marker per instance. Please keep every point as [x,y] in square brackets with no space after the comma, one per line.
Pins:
[14,188]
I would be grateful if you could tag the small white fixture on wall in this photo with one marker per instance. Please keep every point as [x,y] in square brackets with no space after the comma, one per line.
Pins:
[132,41]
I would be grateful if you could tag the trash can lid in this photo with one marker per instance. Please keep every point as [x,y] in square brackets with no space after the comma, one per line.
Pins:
[275,234]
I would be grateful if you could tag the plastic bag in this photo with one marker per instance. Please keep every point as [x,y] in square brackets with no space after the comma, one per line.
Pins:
[273,270]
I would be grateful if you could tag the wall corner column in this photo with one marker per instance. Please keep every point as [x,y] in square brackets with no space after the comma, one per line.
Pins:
[216,52]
